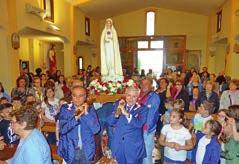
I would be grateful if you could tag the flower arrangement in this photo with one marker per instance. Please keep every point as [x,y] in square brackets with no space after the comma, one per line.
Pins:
[97,87]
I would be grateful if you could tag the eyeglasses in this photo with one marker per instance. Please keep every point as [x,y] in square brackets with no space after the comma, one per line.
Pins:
[178,84]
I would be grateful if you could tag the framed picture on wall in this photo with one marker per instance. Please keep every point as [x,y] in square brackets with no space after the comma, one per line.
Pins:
[49,9]
[23,64]
[87,26]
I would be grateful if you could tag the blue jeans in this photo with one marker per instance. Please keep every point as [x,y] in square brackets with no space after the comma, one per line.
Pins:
[80,157]
[149,146]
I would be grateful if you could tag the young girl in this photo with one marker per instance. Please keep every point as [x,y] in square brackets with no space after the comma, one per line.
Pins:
[221,118]
[207,148]
[176,139]
[50,110]
[233,120]
[231,147]
[50,105]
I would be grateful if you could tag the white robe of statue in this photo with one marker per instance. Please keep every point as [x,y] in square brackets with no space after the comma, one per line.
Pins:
[111,68]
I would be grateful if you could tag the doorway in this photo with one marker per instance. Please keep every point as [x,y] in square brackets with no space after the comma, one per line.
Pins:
[150,59]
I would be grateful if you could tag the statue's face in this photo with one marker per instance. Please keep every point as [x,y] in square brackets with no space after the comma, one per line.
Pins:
[108,24]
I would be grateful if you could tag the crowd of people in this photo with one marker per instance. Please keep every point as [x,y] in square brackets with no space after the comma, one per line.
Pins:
[149,116]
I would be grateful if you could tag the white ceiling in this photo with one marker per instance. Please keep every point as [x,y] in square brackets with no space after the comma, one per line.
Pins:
[109,8]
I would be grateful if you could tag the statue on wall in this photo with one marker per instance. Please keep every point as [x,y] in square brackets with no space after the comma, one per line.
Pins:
[111,68]
[52,59]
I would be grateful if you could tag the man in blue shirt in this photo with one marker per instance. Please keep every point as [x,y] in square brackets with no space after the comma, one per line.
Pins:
[151,100]
[78,123]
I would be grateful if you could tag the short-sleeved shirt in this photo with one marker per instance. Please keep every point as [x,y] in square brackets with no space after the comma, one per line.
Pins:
[51,110]
[203,142]
[199,121]
[175,135]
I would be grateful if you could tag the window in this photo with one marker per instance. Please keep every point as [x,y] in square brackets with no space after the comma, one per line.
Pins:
[143,44]
[87,26]
[49,8]
[80,63]
[219,21]
[156,44]
[150,23]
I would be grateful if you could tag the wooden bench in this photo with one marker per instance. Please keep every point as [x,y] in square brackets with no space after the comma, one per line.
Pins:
[51,127]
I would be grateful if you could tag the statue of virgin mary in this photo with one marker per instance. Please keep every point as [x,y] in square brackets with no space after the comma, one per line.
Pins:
[111,68]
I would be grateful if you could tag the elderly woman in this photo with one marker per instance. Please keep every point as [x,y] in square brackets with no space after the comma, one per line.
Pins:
[33,148]
[231,96]
[209,94]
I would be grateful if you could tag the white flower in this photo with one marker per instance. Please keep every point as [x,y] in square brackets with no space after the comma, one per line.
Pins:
[104,88]
[118,85]
[130,82]
[110,85]
[93,82]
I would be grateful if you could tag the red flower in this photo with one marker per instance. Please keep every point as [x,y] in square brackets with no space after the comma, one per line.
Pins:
[110,81]
[92,87]
[125,80]
[107,92]
[118,91]
[97,93]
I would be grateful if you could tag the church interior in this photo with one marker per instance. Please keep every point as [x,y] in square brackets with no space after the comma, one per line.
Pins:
[156,36]
[189,30]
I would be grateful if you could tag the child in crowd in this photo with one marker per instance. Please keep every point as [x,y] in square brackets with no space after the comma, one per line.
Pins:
[30,99]
[50,105]
[3,100]
[222,118]
[178,104]
[176,139]
[5,125]
[231,147]
[207,148]
[50,110]
[234,120]
[16,102]
[203,115]
[169,106]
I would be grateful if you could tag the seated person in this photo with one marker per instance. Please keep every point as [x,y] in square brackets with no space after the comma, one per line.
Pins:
[33,147]
[5,128]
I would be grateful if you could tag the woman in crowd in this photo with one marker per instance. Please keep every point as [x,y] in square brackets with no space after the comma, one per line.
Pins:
[21,90]
[37,90]
[212,78]
[163,83]
[209,95]
[33,148]
[231,96]
[3,93]
[179,93]
[62,84]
